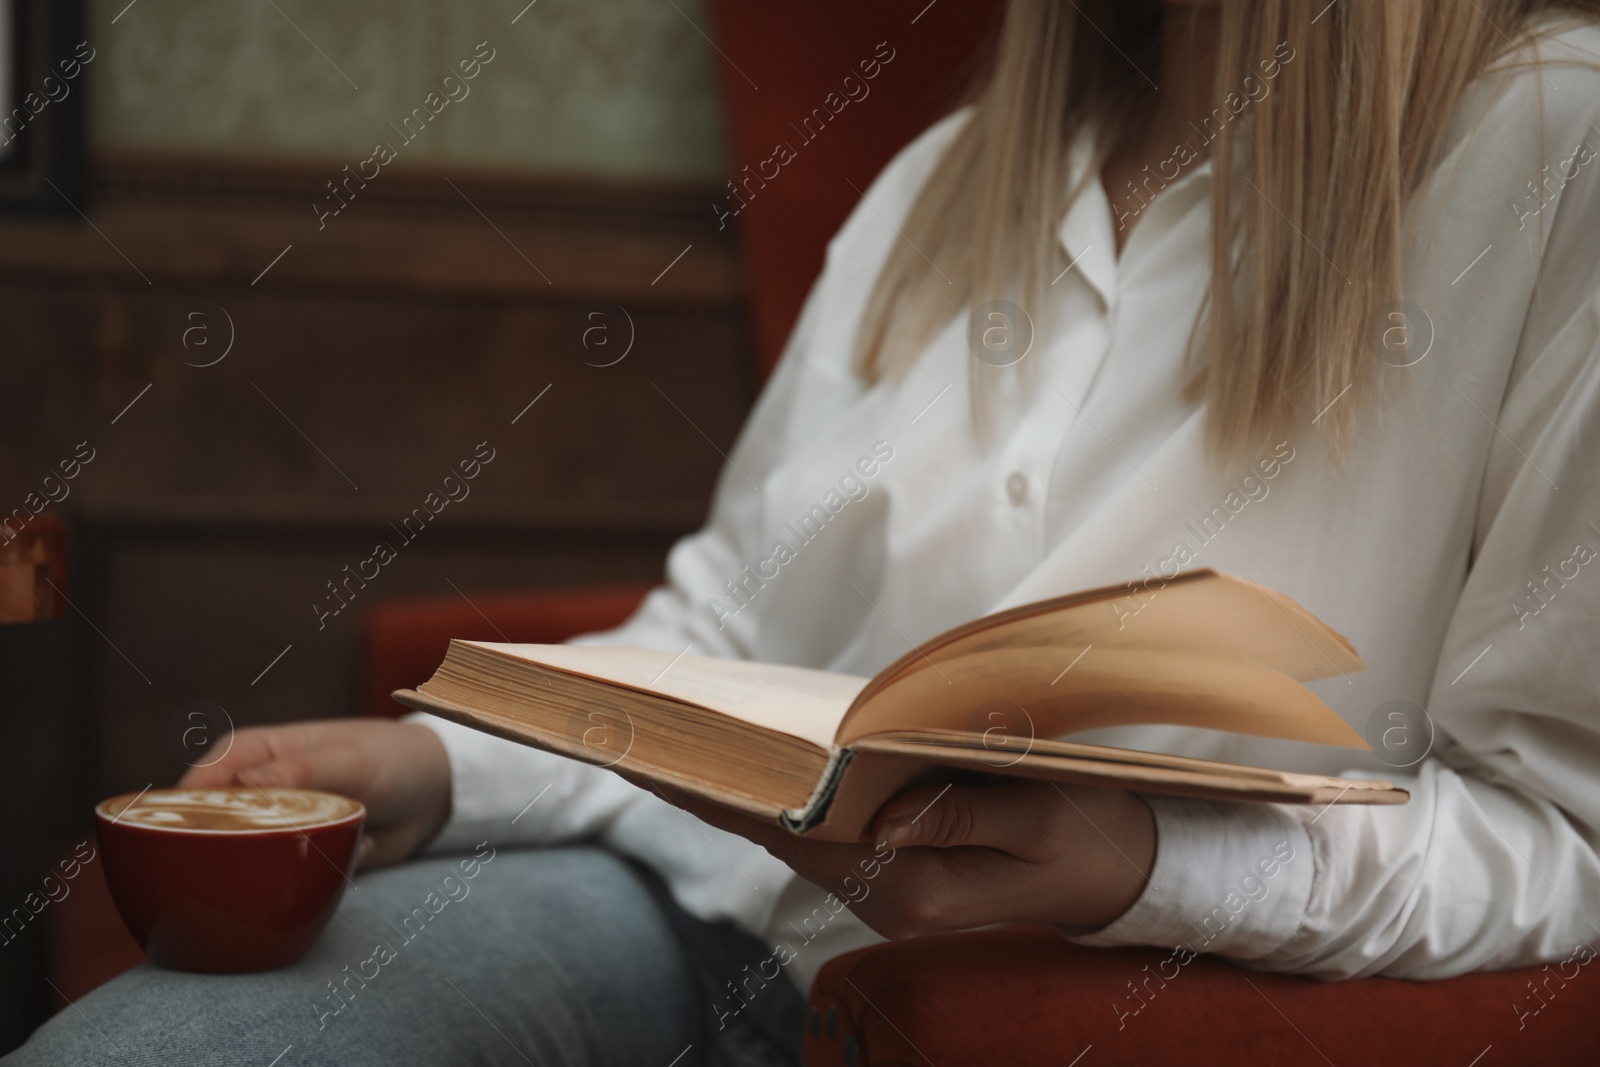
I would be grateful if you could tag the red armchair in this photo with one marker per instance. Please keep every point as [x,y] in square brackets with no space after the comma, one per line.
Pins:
[406,639]
[1024,996]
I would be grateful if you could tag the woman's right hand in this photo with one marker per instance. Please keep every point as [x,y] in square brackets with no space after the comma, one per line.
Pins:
[400,771]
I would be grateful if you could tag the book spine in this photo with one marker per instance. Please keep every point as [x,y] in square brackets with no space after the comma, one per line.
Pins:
[800,820]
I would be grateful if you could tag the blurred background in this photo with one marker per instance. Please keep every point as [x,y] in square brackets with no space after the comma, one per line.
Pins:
[242,345]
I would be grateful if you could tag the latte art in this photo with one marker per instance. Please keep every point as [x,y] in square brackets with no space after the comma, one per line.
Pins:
[240,809]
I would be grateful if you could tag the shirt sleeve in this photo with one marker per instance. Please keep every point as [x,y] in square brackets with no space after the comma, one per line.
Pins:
[1493,864]
[1490,864]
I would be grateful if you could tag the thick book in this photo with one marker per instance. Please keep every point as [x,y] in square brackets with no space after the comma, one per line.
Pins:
[820,752]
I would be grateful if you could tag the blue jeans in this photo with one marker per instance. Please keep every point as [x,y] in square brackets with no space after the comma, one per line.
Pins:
[545,956]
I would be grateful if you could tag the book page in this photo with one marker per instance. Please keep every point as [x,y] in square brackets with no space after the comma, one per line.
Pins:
[1202,611]
[803,703]
[1012,694]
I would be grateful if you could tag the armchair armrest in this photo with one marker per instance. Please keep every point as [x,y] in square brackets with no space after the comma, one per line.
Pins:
[1023,996]
[405,639]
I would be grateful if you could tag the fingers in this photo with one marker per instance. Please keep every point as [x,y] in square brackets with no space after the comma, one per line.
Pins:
[243,748]
[400,772]
[344,768]
[256,745]
[899,895]
[1011,817]
[300,756]
[821,863]
[380,847]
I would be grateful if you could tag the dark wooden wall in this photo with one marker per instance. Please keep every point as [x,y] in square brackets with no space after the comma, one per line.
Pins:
[367,362]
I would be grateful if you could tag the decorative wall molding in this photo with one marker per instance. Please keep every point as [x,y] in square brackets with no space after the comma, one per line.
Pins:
[186,221]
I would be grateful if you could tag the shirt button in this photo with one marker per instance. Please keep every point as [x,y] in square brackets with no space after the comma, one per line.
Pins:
[1017,488]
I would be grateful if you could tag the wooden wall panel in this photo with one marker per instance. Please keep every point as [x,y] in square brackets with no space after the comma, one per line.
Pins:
[367,362]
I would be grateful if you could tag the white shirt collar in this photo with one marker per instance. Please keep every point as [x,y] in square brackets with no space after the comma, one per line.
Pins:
[1087,231]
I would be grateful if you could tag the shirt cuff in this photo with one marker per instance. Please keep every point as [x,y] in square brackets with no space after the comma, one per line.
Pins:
[507,793]
[1230,878]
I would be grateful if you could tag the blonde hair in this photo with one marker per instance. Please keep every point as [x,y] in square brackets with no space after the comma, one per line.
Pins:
[1351,127]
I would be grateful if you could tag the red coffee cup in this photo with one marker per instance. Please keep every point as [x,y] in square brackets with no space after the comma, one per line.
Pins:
[228,880]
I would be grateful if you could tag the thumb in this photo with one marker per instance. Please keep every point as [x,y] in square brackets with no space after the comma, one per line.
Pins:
[367,852]
[1000,816]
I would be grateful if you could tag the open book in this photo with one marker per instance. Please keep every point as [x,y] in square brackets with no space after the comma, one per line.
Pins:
[821,752]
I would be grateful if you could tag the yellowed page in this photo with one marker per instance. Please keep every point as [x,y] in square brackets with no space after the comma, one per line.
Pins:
[1204,612]
[1014,693]
[803,703]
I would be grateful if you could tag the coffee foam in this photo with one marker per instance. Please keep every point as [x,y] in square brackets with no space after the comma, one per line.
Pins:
[237,809]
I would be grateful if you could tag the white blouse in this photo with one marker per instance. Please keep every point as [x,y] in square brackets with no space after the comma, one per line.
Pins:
[1456,548]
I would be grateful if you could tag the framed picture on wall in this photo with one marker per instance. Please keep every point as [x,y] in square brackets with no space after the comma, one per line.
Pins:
[44,61]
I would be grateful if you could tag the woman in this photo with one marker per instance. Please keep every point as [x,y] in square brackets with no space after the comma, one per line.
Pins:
[1301,292]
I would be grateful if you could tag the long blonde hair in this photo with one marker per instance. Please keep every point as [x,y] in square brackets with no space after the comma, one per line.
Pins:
[1349,130]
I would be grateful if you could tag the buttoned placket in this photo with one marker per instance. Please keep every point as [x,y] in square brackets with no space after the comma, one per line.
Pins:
[1063,371]
[1074,361]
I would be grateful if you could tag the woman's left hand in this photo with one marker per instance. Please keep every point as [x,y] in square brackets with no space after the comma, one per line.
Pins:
[970,856]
